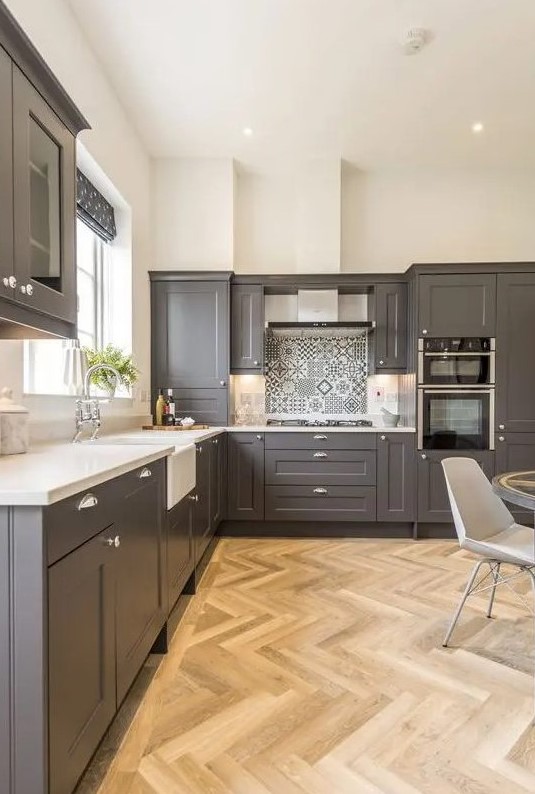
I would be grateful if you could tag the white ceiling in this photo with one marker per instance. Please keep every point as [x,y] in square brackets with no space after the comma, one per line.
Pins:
[323,78]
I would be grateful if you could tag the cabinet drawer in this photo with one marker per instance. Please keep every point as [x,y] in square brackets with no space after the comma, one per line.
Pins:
[320,439]
[68,524]
[320,503]
[327,466]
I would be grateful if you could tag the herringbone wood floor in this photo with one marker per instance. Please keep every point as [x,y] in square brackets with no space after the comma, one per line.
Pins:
[316,666]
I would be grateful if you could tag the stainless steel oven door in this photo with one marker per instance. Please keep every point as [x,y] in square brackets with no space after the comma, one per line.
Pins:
[466,370]
[455,419]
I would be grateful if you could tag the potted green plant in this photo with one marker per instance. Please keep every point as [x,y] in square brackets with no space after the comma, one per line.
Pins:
[116,358]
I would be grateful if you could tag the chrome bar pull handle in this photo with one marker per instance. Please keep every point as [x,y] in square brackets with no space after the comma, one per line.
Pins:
[320,437]
[320,491]
[320,455]
[145,472]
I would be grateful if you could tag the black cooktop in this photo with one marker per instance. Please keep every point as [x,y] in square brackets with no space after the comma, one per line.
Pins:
[320,422]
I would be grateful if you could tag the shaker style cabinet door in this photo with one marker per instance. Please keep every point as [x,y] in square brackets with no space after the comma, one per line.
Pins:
[180,552]
[515,370]
[390,335]
[141,571]
[44,204]
[433,501]
[247,328]
[516,452]
[81,650]
[246,476]
[460,304]
[190,335]
[396,477]
[203,511]
[7,273]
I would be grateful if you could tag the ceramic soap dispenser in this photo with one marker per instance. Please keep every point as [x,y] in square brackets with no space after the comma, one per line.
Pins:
[14,429]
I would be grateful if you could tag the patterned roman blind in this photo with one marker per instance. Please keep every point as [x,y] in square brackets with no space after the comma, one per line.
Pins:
[93,209]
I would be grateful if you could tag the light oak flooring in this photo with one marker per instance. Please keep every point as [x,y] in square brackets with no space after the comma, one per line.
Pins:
[316,666]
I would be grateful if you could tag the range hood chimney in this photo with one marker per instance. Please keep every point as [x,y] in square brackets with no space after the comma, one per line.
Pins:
[317,309]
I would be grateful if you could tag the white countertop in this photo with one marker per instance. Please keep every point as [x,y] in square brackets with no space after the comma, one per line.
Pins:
[51,472]
[301,429]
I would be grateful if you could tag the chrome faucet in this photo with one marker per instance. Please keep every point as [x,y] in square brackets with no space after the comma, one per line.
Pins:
[87,408]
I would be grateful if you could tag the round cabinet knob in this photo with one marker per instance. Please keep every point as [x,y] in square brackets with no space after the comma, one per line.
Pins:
[199,449]
[256,363]
[424,331]
[10,281]
[222,382]
[501,427]
[117,541]
[383,438]
[424,457]
[215,442]
[501,438]
[259,437]
[381,361]
[29,289]
[23,289]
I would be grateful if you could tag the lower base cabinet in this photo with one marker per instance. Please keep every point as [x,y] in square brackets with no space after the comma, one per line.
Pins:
[246,476]
[141,608]
[320,503]
[180,548]
[516,452]
[82,680]
[210,491]
[396,477]
[433,502]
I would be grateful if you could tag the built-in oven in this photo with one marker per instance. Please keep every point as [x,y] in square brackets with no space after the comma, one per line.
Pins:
[455,418]
[468,362]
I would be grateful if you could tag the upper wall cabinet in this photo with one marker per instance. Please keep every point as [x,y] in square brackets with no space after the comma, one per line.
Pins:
[37,193]
[390,336]
[460,304]
[190,334]
[247,328]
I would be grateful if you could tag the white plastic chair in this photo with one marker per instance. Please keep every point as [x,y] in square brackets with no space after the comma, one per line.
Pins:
[486,527]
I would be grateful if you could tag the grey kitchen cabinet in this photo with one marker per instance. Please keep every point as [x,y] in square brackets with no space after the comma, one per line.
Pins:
[141,608]
[396,477]
[246,476]
[37,192]
[180,547]
[202,513]
[81,641]
[190,345]
[391,322]
[433,502]
[218,479]
[515,370]
[6,175]
[190,334]
[320,439]
[516,452]
[247,328]
[320,503]
[460,304]
[321,466]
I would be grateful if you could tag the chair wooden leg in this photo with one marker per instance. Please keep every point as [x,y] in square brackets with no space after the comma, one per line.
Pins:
[495,576]
[466,593]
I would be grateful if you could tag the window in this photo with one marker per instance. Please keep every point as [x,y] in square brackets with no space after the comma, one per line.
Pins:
[44,362]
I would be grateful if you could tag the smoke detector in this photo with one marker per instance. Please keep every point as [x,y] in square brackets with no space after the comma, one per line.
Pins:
[415,40]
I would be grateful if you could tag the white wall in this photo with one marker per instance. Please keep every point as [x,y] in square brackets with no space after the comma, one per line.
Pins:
[193,208]
[393,219]
[288,218]
[113,143]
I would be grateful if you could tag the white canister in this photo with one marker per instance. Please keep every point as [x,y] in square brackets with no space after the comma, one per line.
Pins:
[14,425]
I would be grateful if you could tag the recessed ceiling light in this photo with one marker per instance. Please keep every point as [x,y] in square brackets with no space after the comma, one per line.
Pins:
[477,127]
[247,131]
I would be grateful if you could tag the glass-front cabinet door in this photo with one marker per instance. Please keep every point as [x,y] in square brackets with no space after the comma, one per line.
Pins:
[44,203]
[7,289]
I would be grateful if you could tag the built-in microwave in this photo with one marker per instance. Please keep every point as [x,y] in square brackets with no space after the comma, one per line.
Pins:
[455,418]
[464,362]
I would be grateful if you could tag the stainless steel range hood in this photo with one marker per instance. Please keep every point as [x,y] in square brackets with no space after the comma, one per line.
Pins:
[317,312]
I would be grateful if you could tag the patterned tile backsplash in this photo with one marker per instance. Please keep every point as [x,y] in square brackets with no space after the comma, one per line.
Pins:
[316,375]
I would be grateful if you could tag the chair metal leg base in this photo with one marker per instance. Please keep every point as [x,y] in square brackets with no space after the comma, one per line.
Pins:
[467,591]
[495,568]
